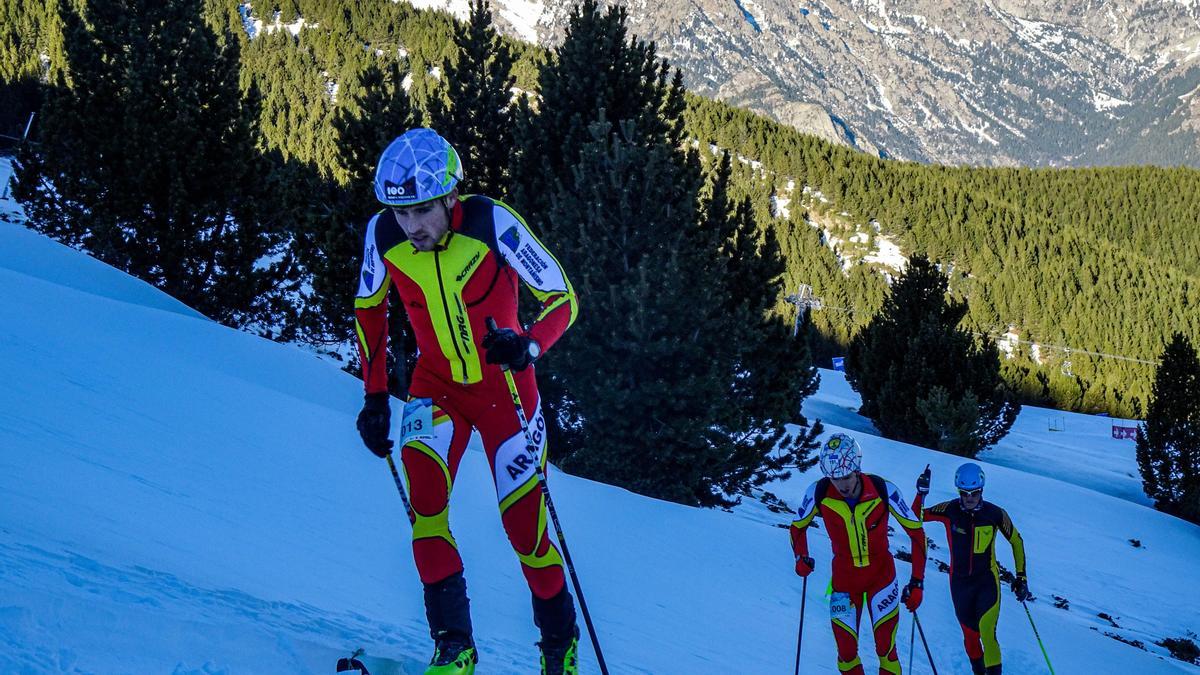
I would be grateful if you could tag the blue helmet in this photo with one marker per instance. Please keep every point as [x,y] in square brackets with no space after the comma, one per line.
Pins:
[841,456]
[969,476]
[417,167]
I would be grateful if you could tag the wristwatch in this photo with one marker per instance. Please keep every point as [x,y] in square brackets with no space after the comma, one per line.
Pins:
[535,350]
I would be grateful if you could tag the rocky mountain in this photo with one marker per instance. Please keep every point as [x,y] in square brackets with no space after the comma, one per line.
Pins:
[984,82]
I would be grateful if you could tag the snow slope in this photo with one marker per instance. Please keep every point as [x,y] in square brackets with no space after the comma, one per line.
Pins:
[178,497]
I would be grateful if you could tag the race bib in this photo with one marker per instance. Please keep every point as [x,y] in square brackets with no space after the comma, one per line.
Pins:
[417,424]
[841,610]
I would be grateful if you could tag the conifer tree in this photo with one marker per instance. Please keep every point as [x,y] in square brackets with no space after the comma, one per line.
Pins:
[643,370]
[597,67]
[375,111]
[1168,444]
[147,159]
[922,379]
[476,115]
[658,386]
[772,362]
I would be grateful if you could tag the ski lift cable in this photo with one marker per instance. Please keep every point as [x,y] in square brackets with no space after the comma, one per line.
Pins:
[1068,350]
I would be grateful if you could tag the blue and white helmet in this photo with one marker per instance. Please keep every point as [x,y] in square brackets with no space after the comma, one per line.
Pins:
[969,477]
[841,456]
[417,167]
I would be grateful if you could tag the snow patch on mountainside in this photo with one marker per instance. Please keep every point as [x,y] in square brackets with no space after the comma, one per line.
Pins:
[1102,101]
[255,26]
[461,9]
[524,16]
[887,253]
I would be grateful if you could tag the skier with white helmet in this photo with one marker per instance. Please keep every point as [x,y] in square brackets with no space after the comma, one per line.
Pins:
[455,262]
[855,507]
[971,527]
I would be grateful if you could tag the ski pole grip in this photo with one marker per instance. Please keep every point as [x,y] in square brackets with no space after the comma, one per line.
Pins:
[491,325]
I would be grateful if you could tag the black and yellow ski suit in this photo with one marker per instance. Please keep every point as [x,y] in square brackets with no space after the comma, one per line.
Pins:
[974,575]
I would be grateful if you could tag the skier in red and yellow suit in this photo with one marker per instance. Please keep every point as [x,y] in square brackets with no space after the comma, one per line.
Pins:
[855,508]
[456,262]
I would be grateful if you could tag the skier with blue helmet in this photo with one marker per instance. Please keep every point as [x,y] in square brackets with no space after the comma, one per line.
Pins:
[457,262]
[971,527]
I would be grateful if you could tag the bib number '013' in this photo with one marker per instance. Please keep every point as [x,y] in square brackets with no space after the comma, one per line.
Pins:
[418,421]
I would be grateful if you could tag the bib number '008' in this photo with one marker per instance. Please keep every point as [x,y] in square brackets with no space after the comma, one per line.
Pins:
[417,423]
[840,609]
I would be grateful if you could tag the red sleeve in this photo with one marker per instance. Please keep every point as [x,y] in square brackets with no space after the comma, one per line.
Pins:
[551,325]
[917,536]
[371,324]
[799,540]
[371,314]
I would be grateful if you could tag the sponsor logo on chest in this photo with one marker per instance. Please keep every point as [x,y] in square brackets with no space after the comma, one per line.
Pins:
[469,267]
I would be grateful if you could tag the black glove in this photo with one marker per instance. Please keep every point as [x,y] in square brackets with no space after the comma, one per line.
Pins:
[375,423]
[1020,588]
[923,482]
[508,349]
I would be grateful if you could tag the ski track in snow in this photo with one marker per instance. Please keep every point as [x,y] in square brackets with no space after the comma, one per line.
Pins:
[82,594]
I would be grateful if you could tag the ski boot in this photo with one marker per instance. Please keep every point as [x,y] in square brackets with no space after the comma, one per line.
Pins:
[452,656]
[449,612]
[562,658]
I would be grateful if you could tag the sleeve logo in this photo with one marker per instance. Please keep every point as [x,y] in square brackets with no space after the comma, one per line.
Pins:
[368,273]
[900,505]
[511,238]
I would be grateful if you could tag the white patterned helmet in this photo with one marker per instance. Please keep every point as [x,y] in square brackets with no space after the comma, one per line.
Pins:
[417,167]
[841,456]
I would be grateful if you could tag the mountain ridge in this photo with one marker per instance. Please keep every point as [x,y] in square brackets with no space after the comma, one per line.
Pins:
[990,83]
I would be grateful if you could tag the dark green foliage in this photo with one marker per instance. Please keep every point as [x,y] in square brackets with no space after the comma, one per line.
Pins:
[1098,259]
[1168,445]
[771,356]
[31,38]
[329,242]
[375,111]
[147,160]
[599,68]
[665,385]
[476,116]
[923,380]
[638,366]
[31,52]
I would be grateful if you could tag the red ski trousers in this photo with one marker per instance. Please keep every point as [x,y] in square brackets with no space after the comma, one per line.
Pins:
[882,599]
[431,464]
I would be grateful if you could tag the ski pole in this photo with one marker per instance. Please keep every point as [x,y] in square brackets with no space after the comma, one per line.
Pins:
[800,634]
[917,622]
[412,517]
[912,636]
[1039,637]
[532,449]
[912,629]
